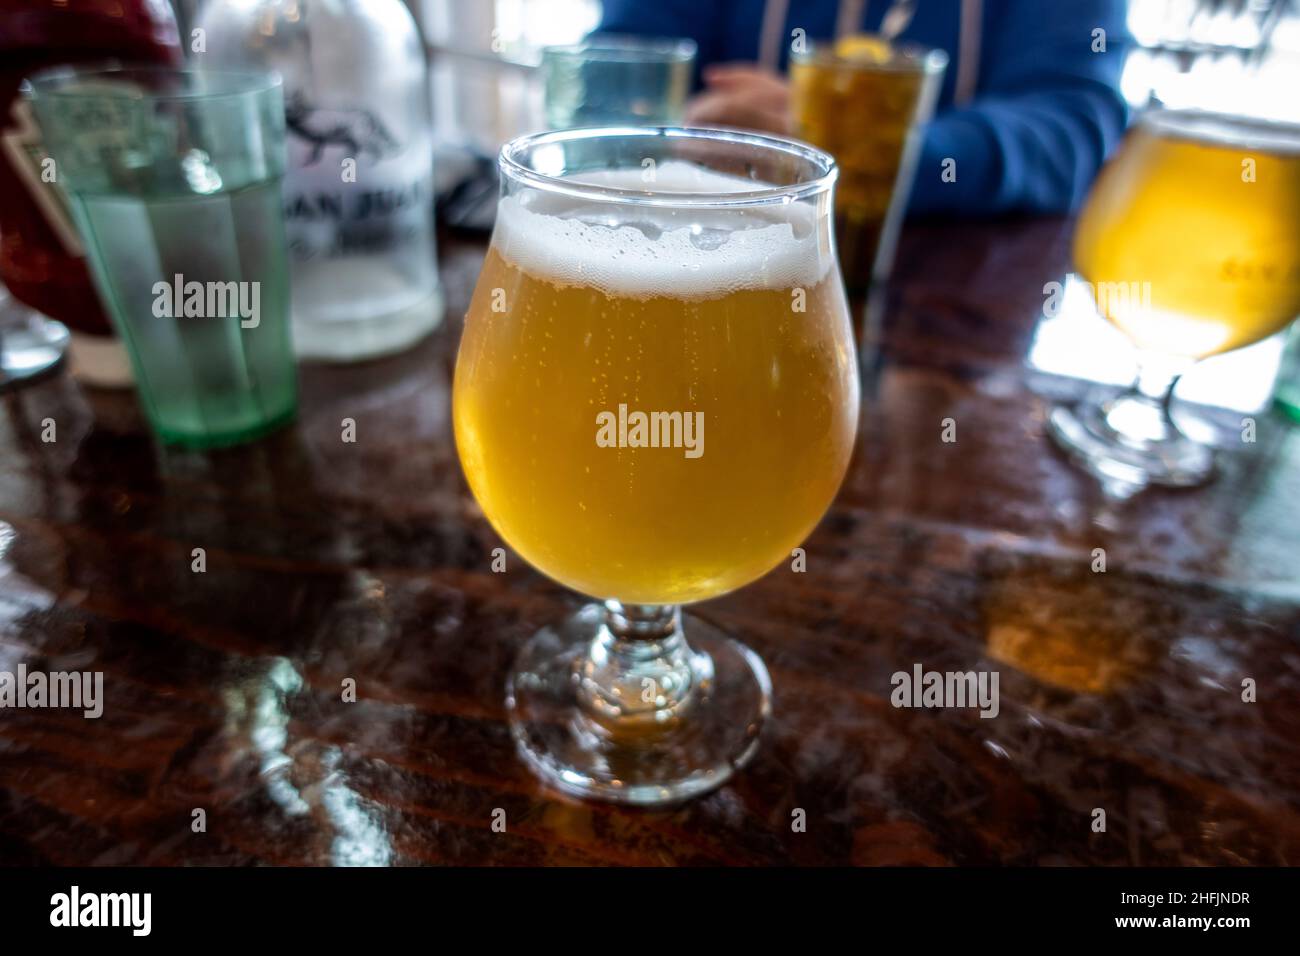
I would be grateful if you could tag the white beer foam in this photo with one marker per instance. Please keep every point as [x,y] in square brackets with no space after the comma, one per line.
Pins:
[682,252]
[1235,132]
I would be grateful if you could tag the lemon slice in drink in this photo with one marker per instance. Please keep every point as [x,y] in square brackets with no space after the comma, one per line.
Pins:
[864,47]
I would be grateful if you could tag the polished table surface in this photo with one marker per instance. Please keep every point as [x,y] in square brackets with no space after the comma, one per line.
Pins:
[1120,690]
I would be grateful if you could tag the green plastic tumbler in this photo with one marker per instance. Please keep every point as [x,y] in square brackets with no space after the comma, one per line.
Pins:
[173,178]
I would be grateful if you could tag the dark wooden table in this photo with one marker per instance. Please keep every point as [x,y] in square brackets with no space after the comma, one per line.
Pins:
[328,560]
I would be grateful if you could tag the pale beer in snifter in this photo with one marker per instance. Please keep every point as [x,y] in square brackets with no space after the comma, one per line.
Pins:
[1189,241]
[655,401]
[749,342]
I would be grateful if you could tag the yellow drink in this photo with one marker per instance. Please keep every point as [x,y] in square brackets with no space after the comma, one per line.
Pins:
[863,103]
[575,327]
[1190,237]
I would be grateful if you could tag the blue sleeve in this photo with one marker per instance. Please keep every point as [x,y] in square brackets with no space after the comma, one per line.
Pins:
[1046,112]
[700,21]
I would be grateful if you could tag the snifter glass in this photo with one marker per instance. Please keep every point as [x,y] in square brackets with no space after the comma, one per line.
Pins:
[655,401]
[1189,243]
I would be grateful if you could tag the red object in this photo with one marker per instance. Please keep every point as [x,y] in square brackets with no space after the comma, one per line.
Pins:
[40,258]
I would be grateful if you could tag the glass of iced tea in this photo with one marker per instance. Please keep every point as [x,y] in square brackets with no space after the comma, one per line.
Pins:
[1189,244]
[865,101]
[655,401]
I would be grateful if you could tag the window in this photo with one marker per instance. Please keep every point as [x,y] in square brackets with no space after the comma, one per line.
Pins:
[483,58]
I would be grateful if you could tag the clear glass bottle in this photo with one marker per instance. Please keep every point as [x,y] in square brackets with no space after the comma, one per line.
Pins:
[358,194]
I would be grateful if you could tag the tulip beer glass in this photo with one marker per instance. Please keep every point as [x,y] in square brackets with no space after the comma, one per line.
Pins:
[1189,243]
[655,401]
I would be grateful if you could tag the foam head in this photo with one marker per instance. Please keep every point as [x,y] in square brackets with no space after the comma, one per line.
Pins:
[1235,132]
[680,251]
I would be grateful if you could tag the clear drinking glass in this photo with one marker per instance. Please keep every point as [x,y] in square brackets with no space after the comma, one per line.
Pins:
[1189,243]
[866,102]
[609,79]
[173,178]
[655,401]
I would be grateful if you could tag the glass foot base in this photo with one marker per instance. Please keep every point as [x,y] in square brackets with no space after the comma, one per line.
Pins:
[650,757]
[1087,433]
[30,344]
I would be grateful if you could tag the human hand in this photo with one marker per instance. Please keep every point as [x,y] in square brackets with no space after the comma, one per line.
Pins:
[743,95]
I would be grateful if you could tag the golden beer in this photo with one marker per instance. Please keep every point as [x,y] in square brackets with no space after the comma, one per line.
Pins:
[1189,242]
[1190,237]
[863,103]
[732,341]
[655,400]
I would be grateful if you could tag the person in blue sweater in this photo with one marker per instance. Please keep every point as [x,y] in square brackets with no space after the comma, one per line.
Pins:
[1030,105]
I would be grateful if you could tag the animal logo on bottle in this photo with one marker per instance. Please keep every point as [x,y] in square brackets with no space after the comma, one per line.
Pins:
[359,132]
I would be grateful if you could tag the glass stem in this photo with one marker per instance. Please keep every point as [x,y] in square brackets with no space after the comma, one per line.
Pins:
[1157,376]
[638,677]
[1141,414]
